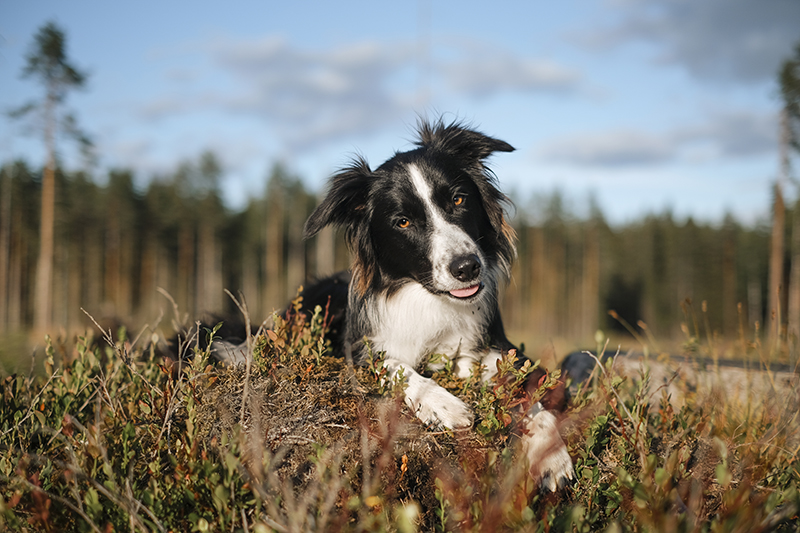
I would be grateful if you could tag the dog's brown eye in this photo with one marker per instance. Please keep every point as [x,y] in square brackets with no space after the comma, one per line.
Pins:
[459,199]
[403,223]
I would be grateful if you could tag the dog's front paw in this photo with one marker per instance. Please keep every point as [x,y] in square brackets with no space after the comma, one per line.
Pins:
[547,455]
[450,413]
[436,407]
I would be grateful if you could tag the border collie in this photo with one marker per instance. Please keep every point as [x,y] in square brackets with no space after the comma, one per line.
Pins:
[431,248]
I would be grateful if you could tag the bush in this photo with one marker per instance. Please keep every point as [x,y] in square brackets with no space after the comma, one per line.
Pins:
[114,440]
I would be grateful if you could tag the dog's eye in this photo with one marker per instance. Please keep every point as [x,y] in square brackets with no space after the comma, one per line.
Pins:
[459,199]
[403,223]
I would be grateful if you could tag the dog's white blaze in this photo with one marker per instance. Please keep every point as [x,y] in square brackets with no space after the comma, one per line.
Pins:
[448,241]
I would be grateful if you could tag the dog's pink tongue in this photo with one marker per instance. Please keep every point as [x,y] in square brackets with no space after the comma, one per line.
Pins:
[465,293]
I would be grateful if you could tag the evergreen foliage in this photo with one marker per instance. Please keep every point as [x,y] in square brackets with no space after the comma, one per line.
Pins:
[117,243]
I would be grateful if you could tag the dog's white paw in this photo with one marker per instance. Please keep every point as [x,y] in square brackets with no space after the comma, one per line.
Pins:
[435,406]
[546,453]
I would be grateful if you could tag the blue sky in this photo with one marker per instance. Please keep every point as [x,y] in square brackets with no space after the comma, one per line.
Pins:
[645,105]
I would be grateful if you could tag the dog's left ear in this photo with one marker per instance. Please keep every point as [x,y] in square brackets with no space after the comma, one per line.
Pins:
[459,141]
[346,199]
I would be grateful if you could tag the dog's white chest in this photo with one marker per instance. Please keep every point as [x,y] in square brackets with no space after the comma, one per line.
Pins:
[413,324]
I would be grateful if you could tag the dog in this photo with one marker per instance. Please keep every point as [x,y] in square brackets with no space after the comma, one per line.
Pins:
[431,248]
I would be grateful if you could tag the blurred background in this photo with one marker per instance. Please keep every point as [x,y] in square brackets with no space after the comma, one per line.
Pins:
[181,146]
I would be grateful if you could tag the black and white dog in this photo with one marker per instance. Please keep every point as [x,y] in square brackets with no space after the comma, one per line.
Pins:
[431,248]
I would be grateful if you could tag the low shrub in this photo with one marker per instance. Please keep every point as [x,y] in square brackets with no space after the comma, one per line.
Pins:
[114,439]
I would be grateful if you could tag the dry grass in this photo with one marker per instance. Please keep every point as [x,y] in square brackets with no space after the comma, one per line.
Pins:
[301,441]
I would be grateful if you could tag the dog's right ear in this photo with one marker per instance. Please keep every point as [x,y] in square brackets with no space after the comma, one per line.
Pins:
[346,200]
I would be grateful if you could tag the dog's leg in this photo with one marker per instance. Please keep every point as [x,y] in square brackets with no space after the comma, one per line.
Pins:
[540,440]
[467,363]
[542,446]
[431,403]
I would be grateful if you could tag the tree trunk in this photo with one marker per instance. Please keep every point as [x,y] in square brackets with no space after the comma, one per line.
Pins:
[16,275]
[325,247]
[128,257]
[296,256]
[793,327]
[93,273]
[185,274]
[546,284]
[61,253]
[112,296]
[755,313]
[165,280]
[209,270]
[44,269]
[250,287]
[730,318]
[590,307]
[793,293]
[5,245]
[273,266]
[205,247]
[148,307]
[776,267]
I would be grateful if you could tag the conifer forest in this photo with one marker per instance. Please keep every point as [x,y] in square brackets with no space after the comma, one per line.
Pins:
[118,249]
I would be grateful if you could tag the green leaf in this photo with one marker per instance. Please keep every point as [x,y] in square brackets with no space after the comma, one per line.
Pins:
[724,476]
[92,501]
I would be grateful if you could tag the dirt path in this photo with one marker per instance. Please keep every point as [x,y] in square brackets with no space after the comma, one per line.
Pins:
[703,377]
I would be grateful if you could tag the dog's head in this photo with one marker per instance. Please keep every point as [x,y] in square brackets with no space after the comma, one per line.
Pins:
[432,215]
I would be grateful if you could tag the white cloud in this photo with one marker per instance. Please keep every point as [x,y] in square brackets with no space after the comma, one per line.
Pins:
[723,135]
[734,134]
[613,148]
[312,96]
[481,70]
[719,40]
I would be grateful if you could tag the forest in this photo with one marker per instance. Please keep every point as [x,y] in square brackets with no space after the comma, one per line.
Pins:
[117,245]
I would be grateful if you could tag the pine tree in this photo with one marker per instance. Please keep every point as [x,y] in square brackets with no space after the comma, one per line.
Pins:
[48,63]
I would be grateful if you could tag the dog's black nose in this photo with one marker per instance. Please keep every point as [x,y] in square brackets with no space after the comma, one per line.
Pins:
[465,267]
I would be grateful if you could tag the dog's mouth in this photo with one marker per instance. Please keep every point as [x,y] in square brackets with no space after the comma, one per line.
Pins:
[467,292]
